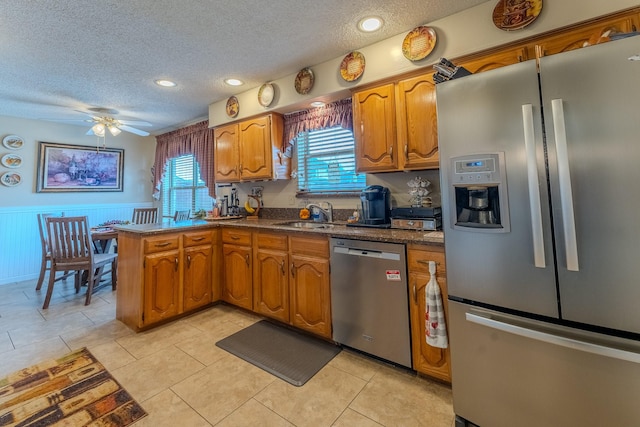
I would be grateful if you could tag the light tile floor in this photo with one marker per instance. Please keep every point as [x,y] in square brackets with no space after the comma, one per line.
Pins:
[180,377]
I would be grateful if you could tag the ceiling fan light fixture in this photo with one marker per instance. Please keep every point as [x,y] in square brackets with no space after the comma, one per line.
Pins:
[98,129]
[114,130]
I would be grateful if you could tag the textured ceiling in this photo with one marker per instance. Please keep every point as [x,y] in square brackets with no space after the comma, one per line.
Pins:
[63,57]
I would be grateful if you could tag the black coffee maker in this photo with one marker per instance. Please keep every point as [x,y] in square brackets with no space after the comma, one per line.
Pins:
[376,206]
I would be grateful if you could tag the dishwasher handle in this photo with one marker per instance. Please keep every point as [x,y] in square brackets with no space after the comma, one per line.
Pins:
[366,253]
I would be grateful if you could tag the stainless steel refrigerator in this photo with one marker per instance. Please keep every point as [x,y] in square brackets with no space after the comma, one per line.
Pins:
[540,175]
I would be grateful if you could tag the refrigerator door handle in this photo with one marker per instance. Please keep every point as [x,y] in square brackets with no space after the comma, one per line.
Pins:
[534,189]
[559,340]
[564,178]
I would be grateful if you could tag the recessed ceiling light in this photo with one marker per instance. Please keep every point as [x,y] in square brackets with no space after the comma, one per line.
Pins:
[234,82]
[369,24]
[317,104]
[166,83]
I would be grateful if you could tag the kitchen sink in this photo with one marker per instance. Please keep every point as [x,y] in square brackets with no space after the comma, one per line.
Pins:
[305,224]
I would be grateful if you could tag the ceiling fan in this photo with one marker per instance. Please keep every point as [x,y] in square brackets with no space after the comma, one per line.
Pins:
[106,122]
[103,123]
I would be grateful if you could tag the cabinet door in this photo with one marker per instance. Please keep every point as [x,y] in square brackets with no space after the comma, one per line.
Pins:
[497,60]
[255,149]
[417,123]
[161,286]
[226,153]
[197,280]
[374,129]
[586,36]
[236,286]
[310,294]
[271,284]
[428,360]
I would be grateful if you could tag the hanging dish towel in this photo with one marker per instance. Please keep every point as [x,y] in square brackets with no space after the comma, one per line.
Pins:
[436,330]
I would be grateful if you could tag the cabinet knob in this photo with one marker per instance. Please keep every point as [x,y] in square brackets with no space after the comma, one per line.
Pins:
[406,151]
[176,264]
[391,151]
[188,261]
[282,267]
[246,257]
[162,245]
[293,270]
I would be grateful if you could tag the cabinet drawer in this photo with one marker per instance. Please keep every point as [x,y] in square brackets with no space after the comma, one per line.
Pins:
[418,259]
[318,247]
[236,237]
[197,238]
[161,244]
[271,241]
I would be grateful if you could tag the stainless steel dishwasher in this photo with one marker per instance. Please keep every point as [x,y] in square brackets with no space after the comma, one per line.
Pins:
[369,298]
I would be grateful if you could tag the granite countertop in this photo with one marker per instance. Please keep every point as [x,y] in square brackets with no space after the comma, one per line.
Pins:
[336,229]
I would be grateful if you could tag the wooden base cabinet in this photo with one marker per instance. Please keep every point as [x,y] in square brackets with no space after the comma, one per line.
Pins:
[310,292]
[163,276]
[271,276]
[237,270]
[432,361]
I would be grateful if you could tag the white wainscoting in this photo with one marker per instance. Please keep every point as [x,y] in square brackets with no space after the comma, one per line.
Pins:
[20,253]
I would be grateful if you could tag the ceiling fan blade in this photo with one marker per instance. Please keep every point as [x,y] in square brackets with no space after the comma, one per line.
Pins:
[133,130]
[133,122]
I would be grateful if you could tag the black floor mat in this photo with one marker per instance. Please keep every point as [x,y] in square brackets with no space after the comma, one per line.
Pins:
[283,352]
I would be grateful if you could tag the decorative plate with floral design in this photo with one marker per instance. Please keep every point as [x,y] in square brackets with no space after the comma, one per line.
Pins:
[352,66]
[233,107]
[419,43]
[304,81]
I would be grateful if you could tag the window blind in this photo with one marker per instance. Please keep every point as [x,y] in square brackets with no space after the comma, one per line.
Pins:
[182,188]
[326,162]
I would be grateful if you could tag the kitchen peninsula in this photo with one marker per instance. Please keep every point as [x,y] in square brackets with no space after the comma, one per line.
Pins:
[273,267]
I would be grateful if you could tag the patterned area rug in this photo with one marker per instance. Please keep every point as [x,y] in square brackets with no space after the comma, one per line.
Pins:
[75,390]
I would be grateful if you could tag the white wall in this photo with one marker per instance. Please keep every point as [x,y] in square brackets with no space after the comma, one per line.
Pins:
[19,239]
[139,155]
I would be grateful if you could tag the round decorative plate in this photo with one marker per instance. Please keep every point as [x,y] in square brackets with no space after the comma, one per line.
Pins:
[13,142]
[510,15]
[11,161]
[304,81]
[352,66]
[419,43]
[11,179]
[233,107]
[266,94]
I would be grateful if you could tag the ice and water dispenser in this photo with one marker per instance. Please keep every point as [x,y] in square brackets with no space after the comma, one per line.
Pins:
[479,191]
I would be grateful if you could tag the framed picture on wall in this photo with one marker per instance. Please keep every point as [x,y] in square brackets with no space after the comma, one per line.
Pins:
[79,168]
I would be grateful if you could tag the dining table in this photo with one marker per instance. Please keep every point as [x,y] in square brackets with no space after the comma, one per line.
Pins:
[103,238]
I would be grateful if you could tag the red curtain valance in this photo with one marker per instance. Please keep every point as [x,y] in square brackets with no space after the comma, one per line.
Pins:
[334,114]
[196,139]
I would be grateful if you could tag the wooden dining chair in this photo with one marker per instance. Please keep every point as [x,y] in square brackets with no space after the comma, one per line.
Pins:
[46,253]
[145,215]
[72,250]
[182,215]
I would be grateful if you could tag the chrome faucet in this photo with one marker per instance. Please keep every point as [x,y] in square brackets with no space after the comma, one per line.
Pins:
[328,212]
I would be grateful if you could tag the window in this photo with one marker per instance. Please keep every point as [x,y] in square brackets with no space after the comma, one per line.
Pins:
[182,187]
[327,162]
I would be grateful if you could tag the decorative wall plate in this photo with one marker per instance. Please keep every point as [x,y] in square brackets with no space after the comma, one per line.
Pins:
[304,81]
[13,142]
[352,66]
[266,94]
[419,43]
[11,179]
[11,161]
[233,107]
[510,15]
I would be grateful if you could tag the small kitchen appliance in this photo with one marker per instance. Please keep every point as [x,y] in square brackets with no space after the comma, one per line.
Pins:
[417,218]
[376,207]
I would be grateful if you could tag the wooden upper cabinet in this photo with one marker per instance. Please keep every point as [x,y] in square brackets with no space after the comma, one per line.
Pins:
[251,150]
[255,149]
[417,123]
[586,35]
[226,153]
[374,129]
[497,59]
